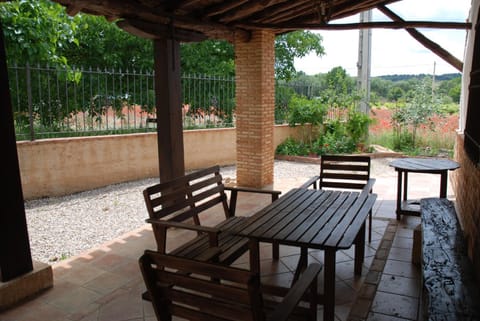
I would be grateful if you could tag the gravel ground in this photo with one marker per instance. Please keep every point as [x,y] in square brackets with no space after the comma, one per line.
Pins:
[60,227]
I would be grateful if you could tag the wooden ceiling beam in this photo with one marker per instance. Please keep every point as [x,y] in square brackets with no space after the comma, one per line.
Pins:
[285,27]
[348,9]
[245,10]
[286,12]
[224,7]
[434,47]
[155,31]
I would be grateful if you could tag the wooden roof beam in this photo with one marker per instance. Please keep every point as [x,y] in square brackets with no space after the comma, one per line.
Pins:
[223,7]
[285,27]
[246,10]
[154,31]
[434,47]
[346,10]
[285,12]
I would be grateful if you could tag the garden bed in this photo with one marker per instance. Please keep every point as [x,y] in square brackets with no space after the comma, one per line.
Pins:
[379,152]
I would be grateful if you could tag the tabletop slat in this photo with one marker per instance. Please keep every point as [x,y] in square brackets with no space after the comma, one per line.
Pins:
[327,233]
[292,217]
[321,218]
[291,199]
[351,231]
[322,202]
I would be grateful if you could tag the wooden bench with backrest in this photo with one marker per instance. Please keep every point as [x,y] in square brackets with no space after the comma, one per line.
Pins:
[178,203]
[350,172]
[209,291]
[450,290]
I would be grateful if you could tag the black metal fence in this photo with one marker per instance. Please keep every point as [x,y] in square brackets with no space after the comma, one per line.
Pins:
[52,102]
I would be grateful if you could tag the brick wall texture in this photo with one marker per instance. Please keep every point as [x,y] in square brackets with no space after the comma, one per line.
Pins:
[466,184]
[255,101]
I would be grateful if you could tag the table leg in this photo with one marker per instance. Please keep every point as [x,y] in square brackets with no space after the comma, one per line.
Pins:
[399,194]
[443,184]
[329,285]
[359,250]
[254,251]
[302,263]
[405,185]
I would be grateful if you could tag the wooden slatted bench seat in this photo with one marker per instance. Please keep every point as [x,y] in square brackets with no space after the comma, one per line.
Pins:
[450,290]
[208,291]
[179,204]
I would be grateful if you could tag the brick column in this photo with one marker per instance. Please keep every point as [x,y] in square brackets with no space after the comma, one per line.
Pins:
[255,104]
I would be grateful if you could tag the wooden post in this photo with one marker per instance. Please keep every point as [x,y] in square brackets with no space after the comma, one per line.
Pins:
[15,256]
[169,112]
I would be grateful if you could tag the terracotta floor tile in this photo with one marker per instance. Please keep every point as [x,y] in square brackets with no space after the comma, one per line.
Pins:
[76,300]
[395,305]
[403,242]
[400,254]
[81,273]
[401,268]
[400,285]
[373,316]
[282,279]
[127,305]
[270,266]
[404,232]
[106,283]
[344,294]
[32,311]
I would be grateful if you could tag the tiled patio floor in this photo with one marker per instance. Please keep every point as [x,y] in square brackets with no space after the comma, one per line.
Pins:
[105,284]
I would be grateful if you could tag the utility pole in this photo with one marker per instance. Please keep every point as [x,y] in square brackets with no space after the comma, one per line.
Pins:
[364,61]
[433,80]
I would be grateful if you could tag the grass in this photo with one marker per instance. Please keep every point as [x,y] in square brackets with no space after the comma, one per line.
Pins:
[428,143]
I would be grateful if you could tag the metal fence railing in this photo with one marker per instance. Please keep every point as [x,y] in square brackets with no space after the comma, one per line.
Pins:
[60,102]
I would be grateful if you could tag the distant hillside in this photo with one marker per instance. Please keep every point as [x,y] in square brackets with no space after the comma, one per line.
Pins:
[395,78]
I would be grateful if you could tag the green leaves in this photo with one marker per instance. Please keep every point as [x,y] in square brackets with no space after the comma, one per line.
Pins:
[35,31]
[306,111]
[419,109]
[292,45]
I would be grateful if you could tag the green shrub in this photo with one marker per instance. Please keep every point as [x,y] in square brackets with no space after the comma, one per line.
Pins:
[292,147]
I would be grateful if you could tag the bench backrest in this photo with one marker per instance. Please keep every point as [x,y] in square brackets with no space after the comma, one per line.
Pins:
[185,197]
[200,291]
[346,172]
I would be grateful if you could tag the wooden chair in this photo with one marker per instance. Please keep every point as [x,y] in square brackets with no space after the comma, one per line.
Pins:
[179,203]
[197,290]
[344,172]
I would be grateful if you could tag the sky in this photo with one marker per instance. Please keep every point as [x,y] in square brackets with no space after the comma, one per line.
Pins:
[395,51]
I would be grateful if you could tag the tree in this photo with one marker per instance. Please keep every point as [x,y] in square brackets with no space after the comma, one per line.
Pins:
[35,31]
[419,109]
[451,88]
[101,44]
[218,57]
[292,45]
[395,94]
[340,88]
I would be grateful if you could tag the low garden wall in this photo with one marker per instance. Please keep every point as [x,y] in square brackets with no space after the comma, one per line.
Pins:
[62,166]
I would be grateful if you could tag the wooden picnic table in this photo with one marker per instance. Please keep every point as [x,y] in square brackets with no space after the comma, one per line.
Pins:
[313,219]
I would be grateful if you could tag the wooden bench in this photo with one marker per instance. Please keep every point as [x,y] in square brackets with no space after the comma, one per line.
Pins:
[207,291]
[178,203]
[450,291]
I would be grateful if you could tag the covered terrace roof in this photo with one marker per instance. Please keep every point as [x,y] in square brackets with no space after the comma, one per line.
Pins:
[196,20]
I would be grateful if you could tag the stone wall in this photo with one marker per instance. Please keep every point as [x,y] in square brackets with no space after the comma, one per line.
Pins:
[466,185]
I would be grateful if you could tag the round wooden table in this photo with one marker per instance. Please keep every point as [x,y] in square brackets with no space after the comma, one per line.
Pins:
[403,166]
